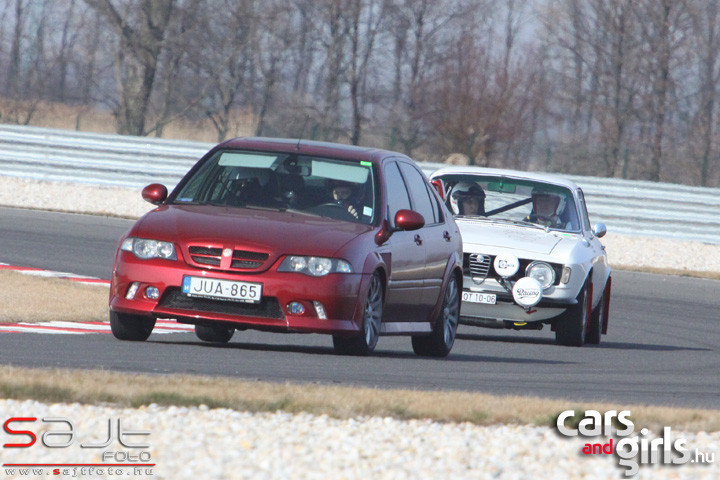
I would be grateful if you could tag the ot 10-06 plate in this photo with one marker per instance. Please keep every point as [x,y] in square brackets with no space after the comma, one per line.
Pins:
[222,289]
[475,297]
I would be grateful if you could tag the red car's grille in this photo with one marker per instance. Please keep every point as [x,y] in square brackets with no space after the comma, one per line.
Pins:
[267,308]
[241,259]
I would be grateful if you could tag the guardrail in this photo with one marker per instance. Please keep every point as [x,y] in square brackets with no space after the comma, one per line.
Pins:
[627,207]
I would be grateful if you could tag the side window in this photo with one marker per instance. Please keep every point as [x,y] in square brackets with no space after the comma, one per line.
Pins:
[583,211]
[422,203]
[397,193]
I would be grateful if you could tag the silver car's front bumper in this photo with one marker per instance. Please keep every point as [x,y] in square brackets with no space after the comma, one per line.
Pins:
[554,302]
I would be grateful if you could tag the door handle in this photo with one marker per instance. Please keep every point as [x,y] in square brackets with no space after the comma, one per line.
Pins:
[418,239]
[446,236]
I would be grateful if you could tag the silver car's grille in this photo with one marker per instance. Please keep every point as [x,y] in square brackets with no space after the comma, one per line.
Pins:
[477,265]
[480,266]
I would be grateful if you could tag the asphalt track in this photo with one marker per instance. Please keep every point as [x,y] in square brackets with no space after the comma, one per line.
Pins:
[662,347]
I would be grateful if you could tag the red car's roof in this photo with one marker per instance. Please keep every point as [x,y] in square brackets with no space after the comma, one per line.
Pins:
[308,147]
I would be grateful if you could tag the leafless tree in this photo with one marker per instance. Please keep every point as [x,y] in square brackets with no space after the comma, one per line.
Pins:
[706,49]
[419,32]
[364,24]
[488,90]
[141,26]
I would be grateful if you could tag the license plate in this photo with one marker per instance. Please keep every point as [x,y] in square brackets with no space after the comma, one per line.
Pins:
[222,289]
[475,297]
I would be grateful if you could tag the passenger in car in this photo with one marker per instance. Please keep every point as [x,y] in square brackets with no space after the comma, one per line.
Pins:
[467,199]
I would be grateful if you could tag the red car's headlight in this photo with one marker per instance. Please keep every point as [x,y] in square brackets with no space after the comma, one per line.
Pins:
[314,266]
[145,249]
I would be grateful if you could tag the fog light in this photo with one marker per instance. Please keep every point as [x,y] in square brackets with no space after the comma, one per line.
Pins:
[506,265]
[152,293]
[320,310]
[132,290]
[296,308]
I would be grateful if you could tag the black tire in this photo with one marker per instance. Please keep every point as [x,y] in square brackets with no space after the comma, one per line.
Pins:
[572,326]
[364,343]
[214,333]
[135,328]
[594,331]
[441,340]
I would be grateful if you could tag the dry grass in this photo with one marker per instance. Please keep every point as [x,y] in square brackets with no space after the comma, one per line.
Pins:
[87,119]
[88,386]
[27,298]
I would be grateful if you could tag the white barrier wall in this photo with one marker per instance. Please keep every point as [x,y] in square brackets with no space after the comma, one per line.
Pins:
[627,207]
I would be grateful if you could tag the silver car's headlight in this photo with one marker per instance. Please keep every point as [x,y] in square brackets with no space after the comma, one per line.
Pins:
[542,272]
[146,249]
[314,266]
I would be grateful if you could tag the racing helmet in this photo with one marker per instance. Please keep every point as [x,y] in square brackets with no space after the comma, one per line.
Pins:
[465,190]
[551,198]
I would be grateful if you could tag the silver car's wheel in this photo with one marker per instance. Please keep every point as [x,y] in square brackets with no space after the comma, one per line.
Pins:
[214,333]
[135,328]
[365,342]
[571,328]
[441,340]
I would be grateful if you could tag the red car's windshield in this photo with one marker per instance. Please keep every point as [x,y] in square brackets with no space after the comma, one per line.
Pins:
[340,189]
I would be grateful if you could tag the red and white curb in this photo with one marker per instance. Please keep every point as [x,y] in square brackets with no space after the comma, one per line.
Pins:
[76,328]
[83,328]
[39,272]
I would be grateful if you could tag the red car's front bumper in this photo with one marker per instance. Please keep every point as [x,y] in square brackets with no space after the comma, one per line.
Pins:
[339,295]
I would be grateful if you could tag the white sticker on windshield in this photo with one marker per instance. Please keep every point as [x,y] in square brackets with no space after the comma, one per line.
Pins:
[367,211]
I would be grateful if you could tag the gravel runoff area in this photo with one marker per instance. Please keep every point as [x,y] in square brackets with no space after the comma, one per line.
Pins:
[202,443]
[224,444]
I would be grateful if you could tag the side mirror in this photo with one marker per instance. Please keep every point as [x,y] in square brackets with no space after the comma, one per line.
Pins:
[599,230]
[408,220]
[155,193]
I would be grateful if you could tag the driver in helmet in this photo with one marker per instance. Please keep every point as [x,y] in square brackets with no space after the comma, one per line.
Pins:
[546,209]
[467,199]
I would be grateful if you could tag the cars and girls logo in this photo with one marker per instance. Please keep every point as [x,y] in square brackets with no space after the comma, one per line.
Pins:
[630,449]
[125,451]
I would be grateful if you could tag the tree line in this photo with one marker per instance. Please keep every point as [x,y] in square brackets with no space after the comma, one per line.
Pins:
[619,88]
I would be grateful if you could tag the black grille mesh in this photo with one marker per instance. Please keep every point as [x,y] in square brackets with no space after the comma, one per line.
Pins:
[267,308]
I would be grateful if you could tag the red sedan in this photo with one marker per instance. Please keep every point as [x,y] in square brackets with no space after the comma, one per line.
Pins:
[299,236]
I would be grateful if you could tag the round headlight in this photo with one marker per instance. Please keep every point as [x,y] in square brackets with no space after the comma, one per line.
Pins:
[297,264]
[542,272]
[166,249]
[318,266]
[145,248]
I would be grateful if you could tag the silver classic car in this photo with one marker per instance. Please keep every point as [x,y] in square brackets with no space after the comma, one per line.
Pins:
[530,255]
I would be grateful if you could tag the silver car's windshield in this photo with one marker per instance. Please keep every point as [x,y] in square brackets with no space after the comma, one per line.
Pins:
[344,190]
[513,200]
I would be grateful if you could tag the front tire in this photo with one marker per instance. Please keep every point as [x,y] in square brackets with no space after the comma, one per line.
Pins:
[365,342]
[214,333]
[572,325]
[441,340]
[135,328]
[594,331]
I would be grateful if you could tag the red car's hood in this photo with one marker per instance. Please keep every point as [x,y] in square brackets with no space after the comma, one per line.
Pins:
[273,232]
